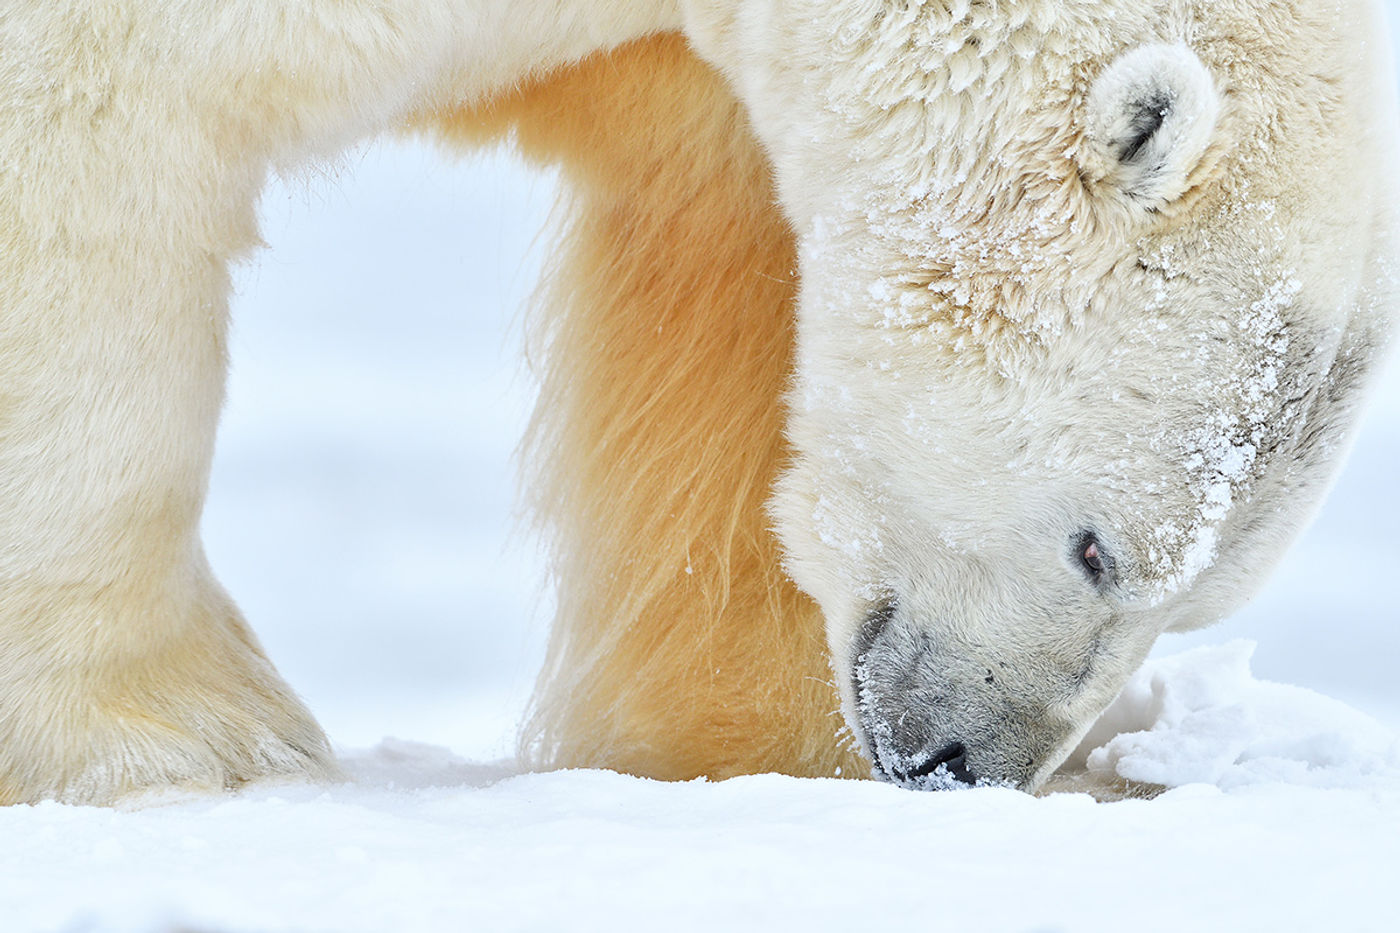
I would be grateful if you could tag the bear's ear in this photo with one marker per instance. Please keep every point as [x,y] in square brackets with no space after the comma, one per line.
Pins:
[1151,117]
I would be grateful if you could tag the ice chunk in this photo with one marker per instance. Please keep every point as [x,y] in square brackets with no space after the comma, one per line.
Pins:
[1202,717]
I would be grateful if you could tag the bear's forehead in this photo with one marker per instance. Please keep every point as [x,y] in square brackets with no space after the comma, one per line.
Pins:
[952,96]
[965,198]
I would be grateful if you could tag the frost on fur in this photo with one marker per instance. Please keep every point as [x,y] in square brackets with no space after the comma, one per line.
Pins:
[1084,316]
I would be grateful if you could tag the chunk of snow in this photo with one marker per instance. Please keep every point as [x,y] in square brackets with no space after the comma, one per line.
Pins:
[1202,717]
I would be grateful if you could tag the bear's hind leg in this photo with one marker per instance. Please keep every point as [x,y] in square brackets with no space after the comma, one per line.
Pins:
[123,665]
[134,140]
[186,700]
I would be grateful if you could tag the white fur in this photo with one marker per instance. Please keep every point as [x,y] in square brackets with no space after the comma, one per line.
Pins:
[135,136]
[1008,337]
[1005,338]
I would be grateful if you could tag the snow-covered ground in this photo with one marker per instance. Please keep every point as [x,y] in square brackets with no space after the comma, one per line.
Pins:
[361,514]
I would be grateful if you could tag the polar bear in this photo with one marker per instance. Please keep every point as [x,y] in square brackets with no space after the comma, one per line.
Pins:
[1087,299]
[1086,296]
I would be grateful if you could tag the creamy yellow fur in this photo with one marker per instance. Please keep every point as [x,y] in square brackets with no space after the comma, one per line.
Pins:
[664,337]
[134,140]
[932,160]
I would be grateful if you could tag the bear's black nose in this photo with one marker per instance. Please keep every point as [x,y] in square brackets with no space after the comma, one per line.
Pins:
[952,757]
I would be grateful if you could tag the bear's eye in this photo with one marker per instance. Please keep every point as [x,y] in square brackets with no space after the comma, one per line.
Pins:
[1096,563]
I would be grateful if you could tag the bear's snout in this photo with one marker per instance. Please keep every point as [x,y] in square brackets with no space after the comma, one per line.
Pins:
[900,700]
[945,769]
[930,718]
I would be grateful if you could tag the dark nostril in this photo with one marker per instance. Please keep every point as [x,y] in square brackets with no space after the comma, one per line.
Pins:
[952,757]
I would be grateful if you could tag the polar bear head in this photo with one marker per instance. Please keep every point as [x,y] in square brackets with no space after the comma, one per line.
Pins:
[1089,291]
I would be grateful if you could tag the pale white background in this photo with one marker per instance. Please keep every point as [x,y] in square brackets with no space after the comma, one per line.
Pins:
[362,500]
